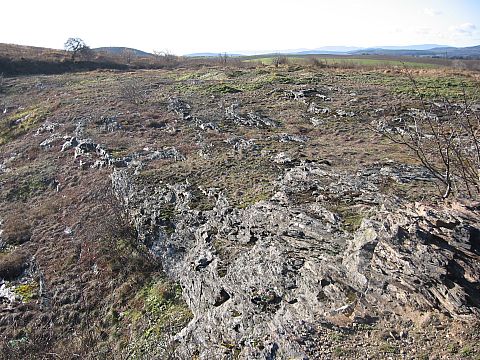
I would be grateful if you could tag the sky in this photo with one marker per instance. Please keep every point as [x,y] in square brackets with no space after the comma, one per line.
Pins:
[190,26]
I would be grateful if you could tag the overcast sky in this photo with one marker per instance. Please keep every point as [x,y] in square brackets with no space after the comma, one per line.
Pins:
[187,26]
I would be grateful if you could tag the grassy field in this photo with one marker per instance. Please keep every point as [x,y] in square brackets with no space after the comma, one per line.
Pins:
[343,61]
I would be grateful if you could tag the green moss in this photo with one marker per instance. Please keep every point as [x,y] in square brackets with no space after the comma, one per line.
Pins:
[251,198]
[167,215]
[351,218]
[252,85]
[164,304]
[160,295]
[351,296]
[339,351]
[132,315]
[201,202]
[119,152]
[187,76]
[159,312]
[27,292]
[388,348]
[452,348]
[233,349]
[20,123]
[466,351]
[234,74]
[222,89]
[280,79]
[27,188]
[222,249]
[337,336]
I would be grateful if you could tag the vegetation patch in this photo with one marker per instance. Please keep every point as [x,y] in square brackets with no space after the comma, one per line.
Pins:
[13,264]
[20,123]
[160,313]
[27,187]
[351,217]
[438,87]
[222,89]
[27,292]
[387,348]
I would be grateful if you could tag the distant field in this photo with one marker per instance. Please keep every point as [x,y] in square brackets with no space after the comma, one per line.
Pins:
[21,60]
[344,61]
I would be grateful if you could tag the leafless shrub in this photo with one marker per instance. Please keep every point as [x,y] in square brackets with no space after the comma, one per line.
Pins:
[165,59]
[222,59]
[446,139]
[132,91]
[2,83]
[115,237]
[279,60]
[235,62]
[316,62]
[459,64]
[127,55]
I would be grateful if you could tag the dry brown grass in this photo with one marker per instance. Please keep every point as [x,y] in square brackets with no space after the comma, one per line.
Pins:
[12,264]
[16,230]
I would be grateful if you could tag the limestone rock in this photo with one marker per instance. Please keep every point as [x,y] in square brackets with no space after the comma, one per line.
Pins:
[255,277]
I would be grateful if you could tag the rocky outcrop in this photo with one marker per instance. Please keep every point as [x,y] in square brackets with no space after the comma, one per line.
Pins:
[250,119]
[93,155]
[256,278]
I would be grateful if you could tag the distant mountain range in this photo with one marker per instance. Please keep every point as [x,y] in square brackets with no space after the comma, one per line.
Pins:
[426,50]
[472,52]
[212,54]
[423,50]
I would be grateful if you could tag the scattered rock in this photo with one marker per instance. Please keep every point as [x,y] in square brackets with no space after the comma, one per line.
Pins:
[316,121]
[282,158]
[304,94]
[251,119]
[47,126]
[343,113]
[109,123]
[180,107]
[313,108]
[241,144]
[292,138]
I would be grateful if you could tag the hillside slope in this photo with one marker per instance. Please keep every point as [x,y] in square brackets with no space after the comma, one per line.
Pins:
[230,213]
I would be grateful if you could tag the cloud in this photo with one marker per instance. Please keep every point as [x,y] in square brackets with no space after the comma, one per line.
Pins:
[432,12]
[463,29]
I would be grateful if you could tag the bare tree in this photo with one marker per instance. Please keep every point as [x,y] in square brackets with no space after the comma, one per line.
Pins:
[166,59]
[223,58]
[76,46]
[445,137]
[128,55]
[280,60]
